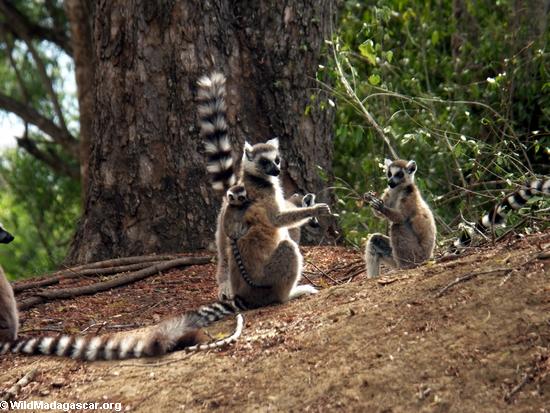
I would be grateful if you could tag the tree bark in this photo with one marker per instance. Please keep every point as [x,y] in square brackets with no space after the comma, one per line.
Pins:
[147,189]
[80,14]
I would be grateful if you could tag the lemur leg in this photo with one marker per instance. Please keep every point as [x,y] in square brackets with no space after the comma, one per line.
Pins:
[284,268]
[378,250]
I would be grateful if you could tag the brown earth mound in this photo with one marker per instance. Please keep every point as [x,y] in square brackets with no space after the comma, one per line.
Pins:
[396,344]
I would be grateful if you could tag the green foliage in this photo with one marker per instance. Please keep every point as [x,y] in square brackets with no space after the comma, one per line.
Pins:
[463,91]
[40,209]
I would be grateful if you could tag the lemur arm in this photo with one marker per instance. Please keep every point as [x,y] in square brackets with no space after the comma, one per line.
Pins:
[391,214]
[283,219]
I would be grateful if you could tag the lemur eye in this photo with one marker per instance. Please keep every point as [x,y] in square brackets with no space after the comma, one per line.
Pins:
[231,197]
[389,174]
[277,160]
[399,174]
[241,198]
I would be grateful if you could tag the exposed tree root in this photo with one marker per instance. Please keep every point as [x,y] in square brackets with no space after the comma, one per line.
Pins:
[63,293]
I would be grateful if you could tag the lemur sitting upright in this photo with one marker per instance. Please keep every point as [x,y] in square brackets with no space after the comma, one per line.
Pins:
[9,319]
[412,225]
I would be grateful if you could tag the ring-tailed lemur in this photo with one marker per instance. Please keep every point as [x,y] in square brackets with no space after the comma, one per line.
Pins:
[412,225]
[9,318]
[235,228]
[497,215]
[301,201]
[177,333]
[267,250]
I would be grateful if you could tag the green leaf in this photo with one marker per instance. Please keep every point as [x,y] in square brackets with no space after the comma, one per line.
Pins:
[374,79]
[367,50]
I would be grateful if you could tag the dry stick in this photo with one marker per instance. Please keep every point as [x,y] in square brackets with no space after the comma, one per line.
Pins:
[322,272]
[100,267]
[43,296]
[14,390]
[99,271]
[526,379]
[309,280]
[469,277]
[17,288]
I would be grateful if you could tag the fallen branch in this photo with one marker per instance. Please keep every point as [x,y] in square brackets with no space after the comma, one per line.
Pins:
[46,282]
[16,388]
[82,273]
[526,379]
[469,277]
[50,295]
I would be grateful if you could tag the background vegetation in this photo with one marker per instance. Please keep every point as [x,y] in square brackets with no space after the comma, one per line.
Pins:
[460,86]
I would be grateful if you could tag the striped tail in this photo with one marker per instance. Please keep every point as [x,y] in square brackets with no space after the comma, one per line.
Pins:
[242,269]
[497,215]
[214,131]
[308,201]
[171,335]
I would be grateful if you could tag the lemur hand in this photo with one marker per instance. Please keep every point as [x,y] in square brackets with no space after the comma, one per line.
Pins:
[376,203]
[322,209]
[368,196]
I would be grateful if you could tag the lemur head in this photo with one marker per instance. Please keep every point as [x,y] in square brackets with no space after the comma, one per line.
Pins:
[262,159]
[399,172]
[5,236]
[236,195]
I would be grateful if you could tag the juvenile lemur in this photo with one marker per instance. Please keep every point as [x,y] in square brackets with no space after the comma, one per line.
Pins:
[9,319]
[497,215]
[270,256]
[412,226]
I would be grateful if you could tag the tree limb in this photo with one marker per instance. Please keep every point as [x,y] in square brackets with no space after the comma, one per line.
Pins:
[18,22]
[30,115]
[50,158]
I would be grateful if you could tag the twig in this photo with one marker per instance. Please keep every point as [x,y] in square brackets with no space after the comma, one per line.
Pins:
[309,280]
[47,295]
[16,388]
[322,272]
[526,379]
[469,277]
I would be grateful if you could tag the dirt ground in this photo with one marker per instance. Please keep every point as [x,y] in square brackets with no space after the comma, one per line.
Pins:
[385,345]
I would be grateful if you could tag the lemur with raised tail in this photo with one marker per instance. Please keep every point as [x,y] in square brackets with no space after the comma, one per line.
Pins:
[9,318]
[412,226]
[497,215]
[270,256]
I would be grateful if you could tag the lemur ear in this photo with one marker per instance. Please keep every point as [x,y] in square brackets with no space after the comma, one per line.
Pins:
[387,163]
[248,151]
[274,142]
[411,167]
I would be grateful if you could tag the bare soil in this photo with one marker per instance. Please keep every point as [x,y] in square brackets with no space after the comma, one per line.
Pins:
[385,345]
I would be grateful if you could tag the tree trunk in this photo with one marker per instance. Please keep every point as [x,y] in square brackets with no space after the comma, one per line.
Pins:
[80,16]
[148,190]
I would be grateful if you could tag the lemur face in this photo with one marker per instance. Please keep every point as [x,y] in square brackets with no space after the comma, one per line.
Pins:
[236,195]
[400,172]
[262,159]
[5,236]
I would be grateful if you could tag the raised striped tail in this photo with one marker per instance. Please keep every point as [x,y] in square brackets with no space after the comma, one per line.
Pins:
[214,131]
[173,334]
[497,215]
[242,269]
